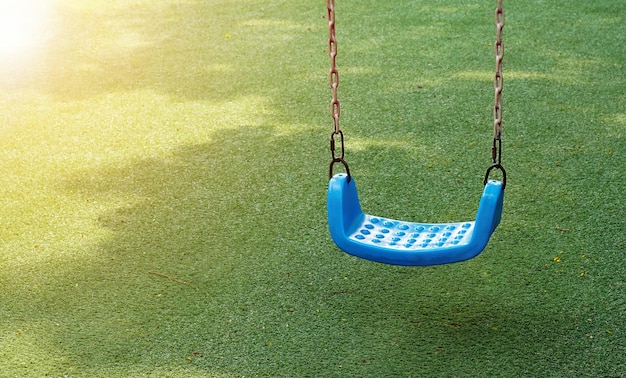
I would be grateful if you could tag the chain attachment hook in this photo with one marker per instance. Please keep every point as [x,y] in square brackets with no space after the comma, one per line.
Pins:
[499,167]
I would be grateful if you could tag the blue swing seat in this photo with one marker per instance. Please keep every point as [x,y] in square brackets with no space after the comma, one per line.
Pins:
[397,242]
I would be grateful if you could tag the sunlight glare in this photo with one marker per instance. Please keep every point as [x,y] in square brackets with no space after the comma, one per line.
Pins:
[22,25]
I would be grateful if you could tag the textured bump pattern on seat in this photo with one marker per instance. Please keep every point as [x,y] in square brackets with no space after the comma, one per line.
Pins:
[401,235]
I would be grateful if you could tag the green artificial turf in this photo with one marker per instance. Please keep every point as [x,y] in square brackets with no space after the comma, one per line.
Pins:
[163,170]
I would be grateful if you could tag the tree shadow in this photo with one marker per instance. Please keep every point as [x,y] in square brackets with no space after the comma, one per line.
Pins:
[196,241]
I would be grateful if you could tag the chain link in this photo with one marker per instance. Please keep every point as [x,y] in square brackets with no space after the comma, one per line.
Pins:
[335,107]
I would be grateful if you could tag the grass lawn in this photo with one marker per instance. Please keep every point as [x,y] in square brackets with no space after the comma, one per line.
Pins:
[163,172]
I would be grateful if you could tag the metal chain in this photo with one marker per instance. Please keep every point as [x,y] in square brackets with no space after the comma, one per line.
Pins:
[335,107]
[496,150]
[498,83]
[334,74]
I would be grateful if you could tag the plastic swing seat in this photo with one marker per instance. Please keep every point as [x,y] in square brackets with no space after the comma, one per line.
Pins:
[397,242]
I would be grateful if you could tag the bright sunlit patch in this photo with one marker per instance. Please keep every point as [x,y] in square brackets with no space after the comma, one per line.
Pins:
[22,25]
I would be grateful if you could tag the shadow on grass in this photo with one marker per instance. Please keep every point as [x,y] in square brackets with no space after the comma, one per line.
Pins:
[218,262]
[210,273]
[205,238]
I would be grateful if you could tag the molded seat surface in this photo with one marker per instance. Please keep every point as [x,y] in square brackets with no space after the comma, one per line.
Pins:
[399,242]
